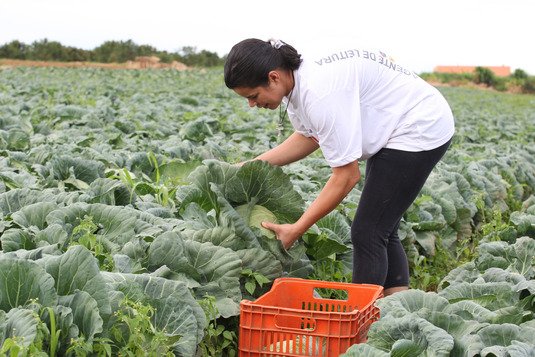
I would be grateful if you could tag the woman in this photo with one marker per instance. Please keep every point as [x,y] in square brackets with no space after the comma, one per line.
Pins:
[356,105]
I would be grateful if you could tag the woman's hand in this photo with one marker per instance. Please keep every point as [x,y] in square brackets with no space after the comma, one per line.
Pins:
[287,233]
[343,179]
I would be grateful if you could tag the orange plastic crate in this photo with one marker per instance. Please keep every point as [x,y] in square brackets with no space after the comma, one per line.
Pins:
[290,321]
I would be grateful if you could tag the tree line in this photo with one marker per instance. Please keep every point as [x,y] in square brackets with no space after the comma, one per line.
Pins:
[108,52]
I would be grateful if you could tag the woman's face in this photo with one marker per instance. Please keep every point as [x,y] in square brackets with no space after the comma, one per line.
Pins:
[268,97]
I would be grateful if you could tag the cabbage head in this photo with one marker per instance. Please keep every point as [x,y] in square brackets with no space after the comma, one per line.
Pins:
[254,215]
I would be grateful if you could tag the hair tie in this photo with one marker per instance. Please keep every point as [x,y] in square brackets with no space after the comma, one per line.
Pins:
[276,44]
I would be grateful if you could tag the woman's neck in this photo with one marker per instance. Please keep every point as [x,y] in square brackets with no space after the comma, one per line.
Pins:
[290,82]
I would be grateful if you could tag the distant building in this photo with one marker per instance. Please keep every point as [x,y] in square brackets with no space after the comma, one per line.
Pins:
[501,71]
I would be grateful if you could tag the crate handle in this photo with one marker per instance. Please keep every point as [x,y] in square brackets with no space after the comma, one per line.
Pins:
[315,293]
[309,286]
[294,322]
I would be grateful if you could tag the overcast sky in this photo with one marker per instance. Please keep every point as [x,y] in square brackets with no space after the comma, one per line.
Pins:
[420,34]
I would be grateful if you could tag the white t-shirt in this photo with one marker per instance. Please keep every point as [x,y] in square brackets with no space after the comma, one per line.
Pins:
[354,102]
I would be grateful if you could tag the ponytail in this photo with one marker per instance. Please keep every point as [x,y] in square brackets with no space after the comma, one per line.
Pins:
[250,61]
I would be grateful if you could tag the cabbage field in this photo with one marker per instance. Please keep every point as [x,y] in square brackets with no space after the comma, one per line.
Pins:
[126,230]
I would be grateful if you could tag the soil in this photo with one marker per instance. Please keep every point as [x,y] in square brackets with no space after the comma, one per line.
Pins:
[138,64]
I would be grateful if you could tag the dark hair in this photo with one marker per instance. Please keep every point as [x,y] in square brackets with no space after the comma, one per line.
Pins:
[250,61]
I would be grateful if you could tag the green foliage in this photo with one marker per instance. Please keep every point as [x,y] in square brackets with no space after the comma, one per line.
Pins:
[500,83]
[520,74]
[108,52]
[218,340]
[331,270]
[253,280]
[449,78]
[46,339]
[14,50]
[120,51]
[133,334]
[529,85]
[30,335]
[484,75]
[84,234]
[99,347]
[140,337]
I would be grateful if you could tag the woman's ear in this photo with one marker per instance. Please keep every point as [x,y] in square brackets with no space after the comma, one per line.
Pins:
[274,76]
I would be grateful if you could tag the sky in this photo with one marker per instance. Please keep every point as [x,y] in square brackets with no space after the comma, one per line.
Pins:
[419,34]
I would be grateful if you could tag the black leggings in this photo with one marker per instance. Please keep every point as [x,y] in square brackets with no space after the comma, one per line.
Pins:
[393,180]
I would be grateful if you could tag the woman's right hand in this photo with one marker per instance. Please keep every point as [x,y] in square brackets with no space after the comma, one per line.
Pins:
[286,233]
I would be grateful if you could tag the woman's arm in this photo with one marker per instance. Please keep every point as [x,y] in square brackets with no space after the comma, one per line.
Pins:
[341,182]
[295,147]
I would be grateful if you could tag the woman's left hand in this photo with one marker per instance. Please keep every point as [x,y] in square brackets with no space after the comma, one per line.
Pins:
[284,232]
